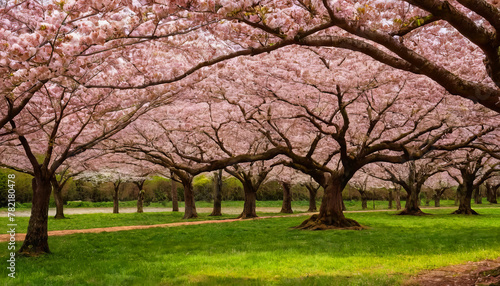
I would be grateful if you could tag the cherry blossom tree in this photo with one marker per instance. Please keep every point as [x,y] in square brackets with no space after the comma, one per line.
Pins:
[185,138]
[419,37]
[412,176]
[330,132]
[471,169]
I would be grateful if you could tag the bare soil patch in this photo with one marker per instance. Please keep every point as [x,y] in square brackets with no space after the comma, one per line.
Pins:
[486,272]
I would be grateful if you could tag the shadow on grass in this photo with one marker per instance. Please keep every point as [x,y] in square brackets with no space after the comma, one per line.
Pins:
[337,280]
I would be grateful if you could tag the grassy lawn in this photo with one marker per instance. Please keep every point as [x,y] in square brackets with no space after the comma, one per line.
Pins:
[351,205]
[84,221]
[265,252]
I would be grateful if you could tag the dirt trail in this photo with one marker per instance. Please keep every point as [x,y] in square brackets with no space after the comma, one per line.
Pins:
[21,236]
[486,272]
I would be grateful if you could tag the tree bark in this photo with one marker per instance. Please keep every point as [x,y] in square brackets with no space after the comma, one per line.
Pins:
[390,197]
[217,211]
[312,197]
[250,201]
[189,204]
[140,201]
[437,200]
[412,201]
[286,207]
[465,196]
[491,193]
[175,199]
[116,201]
[36,242]
[397,198]
[59,203]
[330,214]
[477,196]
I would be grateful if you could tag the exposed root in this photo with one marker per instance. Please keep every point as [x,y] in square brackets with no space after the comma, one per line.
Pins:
[317,223]
[188,216]
[246,216]
[465,212]
[418,212]
[30,251]
[286,211]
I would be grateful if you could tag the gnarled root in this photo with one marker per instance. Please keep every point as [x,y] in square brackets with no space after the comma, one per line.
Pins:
[465,212]
[412,212]
[317,223]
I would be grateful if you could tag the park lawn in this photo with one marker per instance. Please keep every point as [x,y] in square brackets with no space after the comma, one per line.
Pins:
[98,220]
[351,205]
[265,252]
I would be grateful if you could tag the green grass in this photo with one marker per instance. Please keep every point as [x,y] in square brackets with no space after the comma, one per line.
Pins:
[350,204]
[85,221]
[265,252]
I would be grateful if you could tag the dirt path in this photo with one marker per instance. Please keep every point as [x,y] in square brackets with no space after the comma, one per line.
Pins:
[486,272]
[21,236]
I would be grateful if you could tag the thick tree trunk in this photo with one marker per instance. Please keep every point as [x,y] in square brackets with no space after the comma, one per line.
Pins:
[312,198]
[189,204]
[437,200]
[428,198]
[390,198]
[286,207]
[491,194]
[250,202]
[397,198]
[364,203]
[364,199]
[465,197]
[478,199]
[217,211]
[35,242]
[175,199]
[59,203]
[140,201]
[330,214]
[412,202]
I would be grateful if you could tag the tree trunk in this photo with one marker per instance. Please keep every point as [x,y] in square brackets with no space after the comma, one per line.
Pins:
[437,200]
[115,202]
[287,198]
[250,201]
[412,202]
[465,197]
[364,203]
[428,198]
[140,201]
[189,205]
[364,199]
[397,199]
[330,214]
[477,196]
[312,198]
[491,194]
[36,242]
[217,211]
[175,199]
[390,198]
[59,203]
